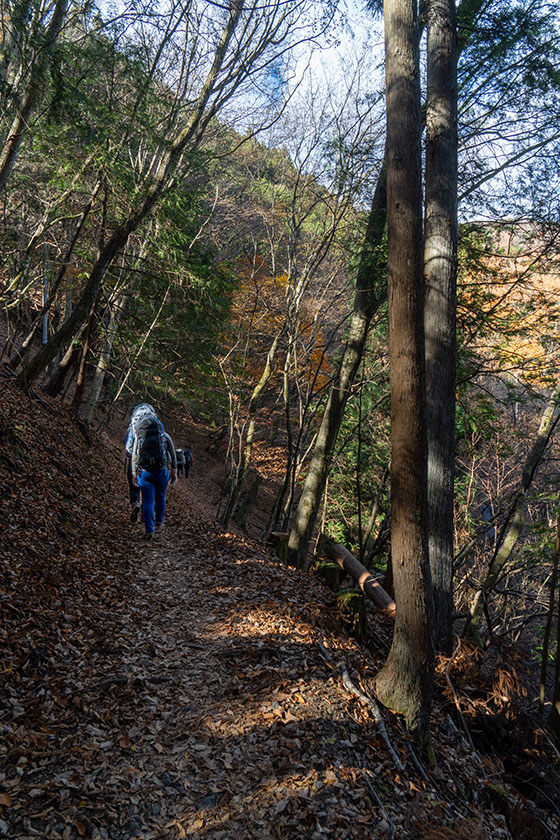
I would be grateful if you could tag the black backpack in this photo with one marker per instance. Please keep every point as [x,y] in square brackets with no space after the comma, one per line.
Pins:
[150,443]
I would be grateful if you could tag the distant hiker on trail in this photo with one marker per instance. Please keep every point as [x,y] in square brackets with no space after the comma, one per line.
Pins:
[188,462]
[180,462]
[153,463]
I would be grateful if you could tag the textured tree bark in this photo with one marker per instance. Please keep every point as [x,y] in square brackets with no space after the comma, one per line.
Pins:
[440,275]
[405,682]
[69,362]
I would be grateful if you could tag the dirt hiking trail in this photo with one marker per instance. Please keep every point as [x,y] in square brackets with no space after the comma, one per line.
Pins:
[192,686]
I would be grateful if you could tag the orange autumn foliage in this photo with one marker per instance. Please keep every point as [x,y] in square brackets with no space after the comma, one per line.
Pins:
[518,294]
[259,312]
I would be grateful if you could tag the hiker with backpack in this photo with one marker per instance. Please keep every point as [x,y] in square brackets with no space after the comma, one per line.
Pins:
[180,462]
[128,441]
[188,461]
[153,464]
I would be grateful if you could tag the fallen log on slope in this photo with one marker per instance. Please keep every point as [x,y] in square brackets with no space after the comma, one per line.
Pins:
[365,580]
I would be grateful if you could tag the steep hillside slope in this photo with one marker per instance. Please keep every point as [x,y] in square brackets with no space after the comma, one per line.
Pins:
[195,687]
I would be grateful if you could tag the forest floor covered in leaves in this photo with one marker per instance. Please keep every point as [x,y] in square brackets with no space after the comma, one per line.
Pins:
[191,686]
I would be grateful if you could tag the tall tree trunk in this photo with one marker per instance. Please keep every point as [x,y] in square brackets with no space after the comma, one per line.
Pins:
[405,682]
[69,360]
[20,124]
[366,301]
[81,375]
[440,275]
[189,135]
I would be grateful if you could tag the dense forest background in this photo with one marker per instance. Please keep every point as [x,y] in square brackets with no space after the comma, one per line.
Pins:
[193,215]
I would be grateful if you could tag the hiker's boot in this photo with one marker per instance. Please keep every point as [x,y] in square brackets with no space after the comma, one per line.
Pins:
[135,512]
[147,536]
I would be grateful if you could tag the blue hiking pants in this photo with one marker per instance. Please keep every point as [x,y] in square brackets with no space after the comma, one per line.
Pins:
[154,486]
